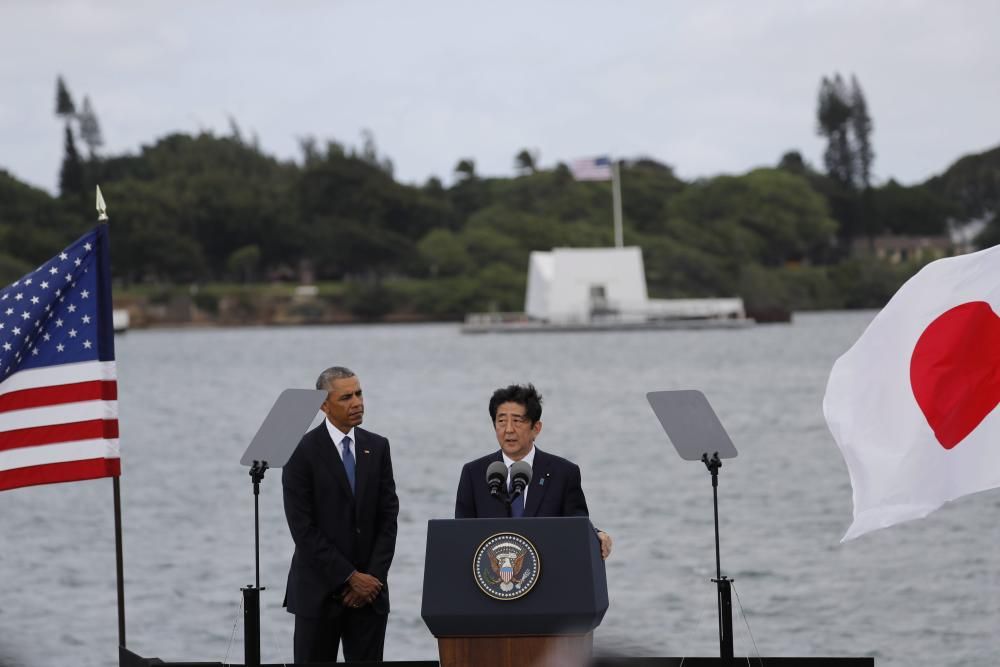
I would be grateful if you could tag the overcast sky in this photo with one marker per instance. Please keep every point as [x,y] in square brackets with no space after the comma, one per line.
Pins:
[708,87]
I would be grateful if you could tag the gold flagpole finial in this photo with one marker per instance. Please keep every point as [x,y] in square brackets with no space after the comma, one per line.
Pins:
[102,208]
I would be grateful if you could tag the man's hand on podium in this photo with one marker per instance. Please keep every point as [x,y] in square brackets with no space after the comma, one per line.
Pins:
[362,589]
[605,544]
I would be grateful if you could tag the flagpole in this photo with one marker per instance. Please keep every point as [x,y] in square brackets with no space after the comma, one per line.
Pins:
[102,217]
[616,195]
[119,561]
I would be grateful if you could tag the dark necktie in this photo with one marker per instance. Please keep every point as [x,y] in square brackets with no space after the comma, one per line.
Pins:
[517,506]
[348,461]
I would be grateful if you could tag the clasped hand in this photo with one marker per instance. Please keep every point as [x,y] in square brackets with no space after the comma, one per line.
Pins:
[361,589]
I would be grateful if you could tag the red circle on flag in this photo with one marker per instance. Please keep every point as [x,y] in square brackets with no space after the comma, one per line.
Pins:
[955,370]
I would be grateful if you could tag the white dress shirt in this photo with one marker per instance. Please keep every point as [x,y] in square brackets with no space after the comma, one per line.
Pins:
[529,459]
[338,438]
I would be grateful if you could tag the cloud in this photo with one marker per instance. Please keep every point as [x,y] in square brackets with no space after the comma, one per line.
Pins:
[709,87]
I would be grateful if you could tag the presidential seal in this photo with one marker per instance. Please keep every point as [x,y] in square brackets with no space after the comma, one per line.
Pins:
[506,566]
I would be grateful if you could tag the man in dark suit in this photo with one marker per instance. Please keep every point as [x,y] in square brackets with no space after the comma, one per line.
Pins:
[341,505]
[555,488]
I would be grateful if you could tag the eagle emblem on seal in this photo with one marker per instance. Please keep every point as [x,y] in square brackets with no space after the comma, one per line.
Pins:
[506,566]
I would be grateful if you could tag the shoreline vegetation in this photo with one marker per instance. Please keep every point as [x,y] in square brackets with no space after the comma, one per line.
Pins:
[404,301]
[210,229]
[227,305]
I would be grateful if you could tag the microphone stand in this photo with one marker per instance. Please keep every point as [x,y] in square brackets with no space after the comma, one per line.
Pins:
[724,596]
[501,494]
[520,479]
[506,498]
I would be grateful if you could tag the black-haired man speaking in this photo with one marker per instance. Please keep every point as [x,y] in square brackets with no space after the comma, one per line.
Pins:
[555,488]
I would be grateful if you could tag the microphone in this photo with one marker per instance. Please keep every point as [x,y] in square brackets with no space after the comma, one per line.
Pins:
[496,478]
[520,478]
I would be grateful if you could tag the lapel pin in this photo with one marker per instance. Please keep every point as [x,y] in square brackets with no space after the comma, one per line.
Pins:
[367,452]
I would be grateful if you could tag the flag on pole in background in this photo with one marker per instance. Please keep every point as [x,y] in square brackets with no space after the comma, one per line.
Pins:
[912,403]
[591,169]
[58,384]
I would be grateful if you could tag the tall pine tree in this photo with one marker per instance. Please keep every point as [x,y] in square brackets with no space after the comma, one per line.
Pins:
[861,124]
[71,174]
[834,116]
[90,129]
[843,119]
[64,102]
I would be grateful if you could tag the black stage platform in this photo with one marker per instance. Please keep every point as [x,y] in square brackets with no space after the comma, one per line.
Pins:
[130,659]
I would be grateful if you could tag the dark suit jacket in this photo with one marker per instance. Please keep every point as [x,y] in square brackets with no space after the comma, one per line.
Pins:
[555,489]
[335,531]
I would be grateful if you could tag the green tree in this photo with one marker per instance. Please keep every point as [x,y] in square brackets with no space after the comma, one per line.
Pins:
[525,161]
[869,282]
[486,245]
[647,187]
[65,108]
[469,193]
[150,240]
[972,186]
[834,124]
[243,262]
[844,121]
[466,169]
[712,229]
[310,150]
[500,288]
[909,210]
[12,268]
[90,129]
[676,269]
[71,172]
[369,151]
[793,162]
[235,132]
[33,224]
[861,125]
[444,253]
[435,188]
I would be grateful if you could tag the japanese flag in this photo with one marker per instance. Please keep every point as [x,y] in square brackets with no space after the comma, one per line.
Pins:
[912,403]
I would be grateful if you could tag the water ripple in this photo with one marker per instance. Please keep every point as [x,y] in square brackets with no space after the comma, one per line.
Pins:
[919,593]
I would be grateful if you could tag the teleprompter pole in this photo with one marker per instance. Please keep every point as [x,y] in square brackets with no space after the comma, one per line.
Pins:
[271,447]
[725,596]
[251,594]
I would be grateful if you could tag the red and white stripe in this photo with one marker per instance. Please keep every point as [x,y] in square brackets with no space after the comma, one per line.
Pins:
[59,424]
[591,169]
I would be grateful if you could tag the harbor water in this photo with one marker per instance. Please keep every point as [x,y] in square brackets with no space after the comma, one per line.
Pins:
[922,593]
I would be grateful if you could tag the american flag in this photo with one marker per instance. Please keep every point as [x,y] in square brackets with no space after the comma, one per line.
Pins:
[592,169]
[58,384]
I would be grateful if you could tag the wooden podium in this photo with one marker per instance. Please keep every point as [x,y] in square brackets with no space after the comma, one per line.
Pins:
[513,592]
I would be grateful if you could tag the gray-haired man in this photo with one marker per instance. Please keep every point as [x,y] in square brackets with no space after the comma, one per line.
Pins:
[341,505]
